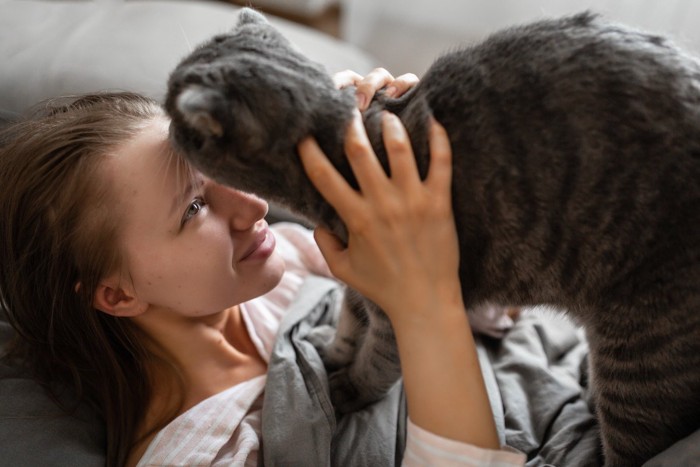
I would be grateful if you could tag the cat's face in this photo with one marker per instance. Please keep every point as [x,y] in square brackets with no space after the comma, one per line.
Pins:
[243,100]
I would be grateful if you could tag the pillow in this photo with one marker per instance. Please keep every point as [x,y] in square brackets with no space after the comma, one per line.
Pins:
[34,430]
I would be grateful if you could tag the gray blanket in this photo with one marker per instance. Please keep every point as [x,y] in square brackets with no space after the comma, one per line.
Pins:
[298,421]
[535,377]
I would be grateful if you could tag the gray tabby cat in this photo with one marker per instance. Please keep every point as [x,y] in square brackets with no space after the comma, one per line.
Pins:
[576,183]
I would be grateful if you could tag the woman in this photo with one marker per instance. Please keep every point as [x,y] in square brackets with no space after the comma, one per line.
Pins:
[149,288]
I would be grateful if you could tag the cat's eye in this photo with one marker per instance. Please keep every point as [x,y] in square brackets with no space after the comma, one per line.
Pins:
[192,210]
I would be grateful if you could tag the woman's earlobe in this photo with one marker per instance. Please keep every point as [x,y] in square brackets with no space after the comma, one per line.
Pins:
[117,301]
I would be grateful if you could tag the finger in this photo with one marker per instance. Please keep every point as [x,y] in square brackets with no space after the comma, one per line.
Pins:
[370,84]
[401,84]
[402,162]
[368,171]
[327,180]
[440,170]
[346,78]
[332,249]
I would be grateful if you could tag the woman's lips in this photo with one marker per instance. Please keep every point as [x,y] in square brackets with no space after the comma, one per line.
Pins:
[262,247]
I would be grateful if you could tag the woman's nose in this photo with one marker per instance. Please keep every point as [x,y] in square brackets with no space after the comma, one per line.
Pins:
[243,209]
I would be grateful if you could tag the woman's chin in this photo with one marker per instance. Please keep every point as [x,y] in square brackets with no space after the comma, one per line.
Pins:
[269,276]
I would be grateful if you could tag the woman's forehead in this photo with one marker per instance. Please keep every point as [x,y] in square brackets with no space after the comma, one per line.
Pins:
[147,165]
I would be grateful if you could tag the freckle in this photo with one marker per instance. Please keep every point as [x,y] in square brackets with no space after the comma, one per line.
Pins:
[150,283]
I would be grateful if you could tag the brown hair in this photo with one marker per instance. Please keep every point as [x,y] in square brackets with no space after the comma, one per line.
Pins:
[58,238]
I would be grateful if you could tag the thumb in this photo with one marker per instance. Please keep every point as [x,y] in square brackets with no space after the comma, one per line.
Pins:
[332,249]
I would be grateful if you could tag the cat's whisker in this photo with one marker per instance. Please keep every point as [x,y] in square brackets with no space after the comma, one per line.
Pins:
[184,35]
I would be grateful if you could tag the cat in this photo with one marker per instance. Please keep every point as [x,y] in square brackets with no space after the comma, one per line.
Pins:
[576,183]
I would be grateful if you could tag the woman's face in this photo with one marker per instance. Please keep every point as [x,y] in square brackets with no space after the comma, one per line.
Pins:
[191,246]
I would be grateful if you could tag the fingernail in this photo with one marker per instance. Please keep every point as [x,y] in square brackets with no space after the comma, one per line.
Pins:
[391,91]
[361,101]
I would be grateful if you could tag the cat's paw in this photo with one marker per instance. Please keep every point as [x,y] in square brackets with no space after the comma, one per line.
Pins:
[348,395]
[321,337]
[345,396]
[334,353]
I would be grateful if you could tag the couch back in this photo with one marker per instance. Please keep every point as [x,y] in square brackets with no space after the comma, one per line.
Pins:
[54,47]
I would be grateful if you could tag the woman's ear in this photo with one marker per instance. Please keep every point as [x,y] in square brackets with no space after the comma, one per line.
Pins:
[116,299]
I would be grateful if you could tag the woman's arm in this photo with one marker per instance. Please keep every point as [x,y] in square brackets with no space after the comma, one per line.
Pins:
[402,253]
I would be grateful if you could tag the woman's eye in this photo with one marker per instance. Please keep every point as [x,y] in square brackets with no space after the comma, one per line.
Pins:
[192,210]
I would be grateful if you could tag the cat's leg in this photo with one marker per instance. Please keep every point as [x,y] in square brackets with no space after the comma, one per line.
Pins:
[645,385]
[337,346]
[374,370]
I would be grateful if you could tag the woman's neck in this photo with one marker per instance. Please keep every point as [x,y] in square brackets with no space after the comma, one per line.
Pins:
[211,353]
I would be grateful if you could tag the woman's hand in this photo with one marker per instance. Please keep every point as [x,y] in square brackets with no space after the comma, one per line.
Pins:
[402,250]
[368,85]
[402,253]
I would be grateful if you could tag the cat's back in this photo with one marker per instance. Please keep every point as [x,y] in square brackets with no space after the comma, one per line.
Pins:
[583,67]
[579,142]
[574,90]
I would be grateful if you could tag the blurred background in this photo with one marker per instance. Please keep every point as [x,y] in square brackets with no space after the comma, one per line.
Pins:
[406,35]
[59,47]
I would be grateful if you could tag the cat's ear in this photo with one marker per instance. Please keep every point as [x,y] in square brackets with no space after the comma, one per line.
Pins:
[250,16]
[197,105]
[209,112]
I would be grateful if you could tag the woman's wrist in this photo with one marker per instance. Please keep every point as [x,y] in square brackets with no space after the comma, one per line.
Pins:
[418,306]
[442,378]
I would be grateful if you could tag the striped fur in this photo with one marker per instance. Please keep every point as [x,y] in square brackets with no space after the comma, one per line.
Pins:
[576,183]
